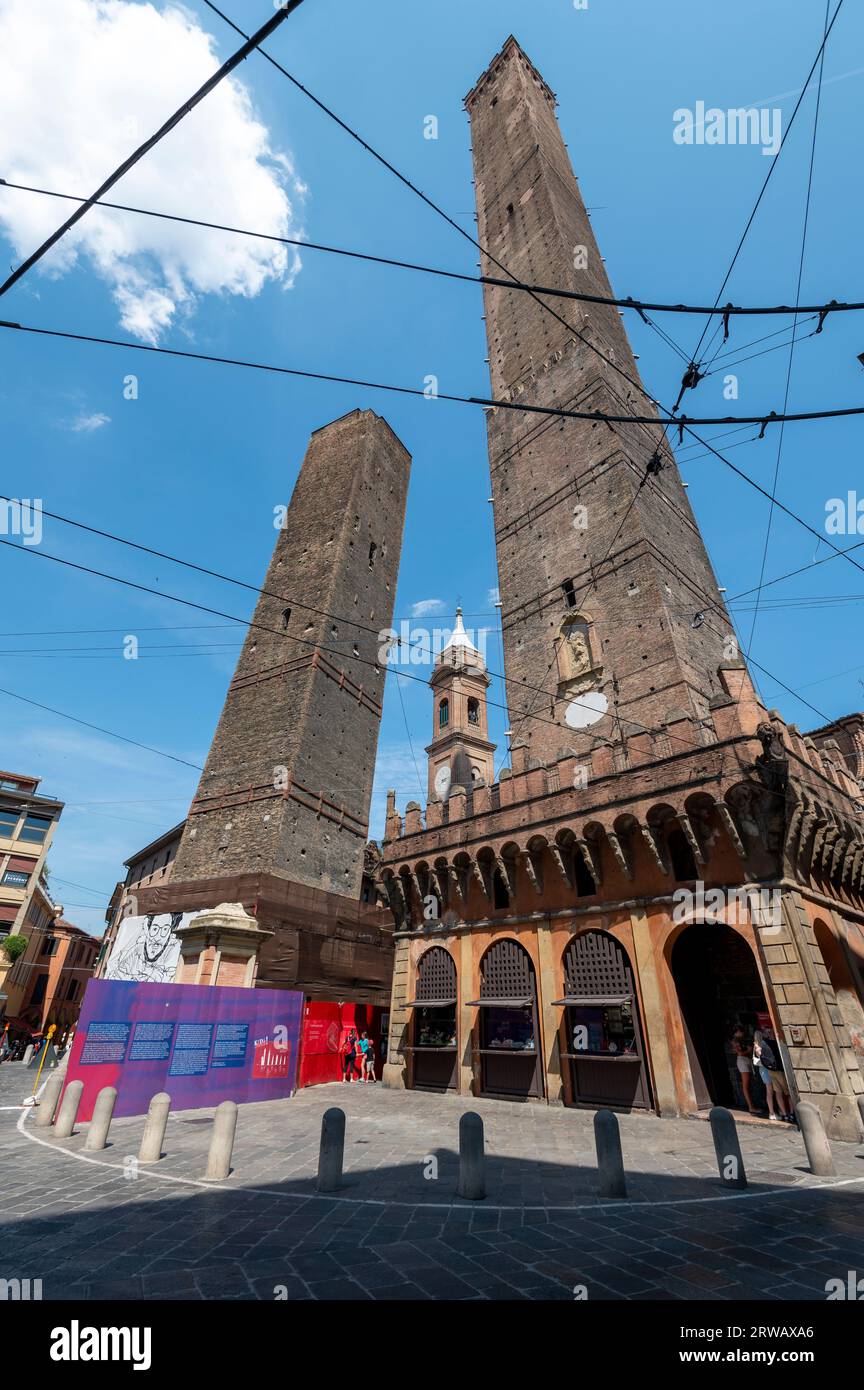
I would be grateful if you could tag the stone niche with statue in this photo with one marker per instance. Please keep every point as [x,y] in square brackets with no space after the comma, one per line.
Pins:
[580,672]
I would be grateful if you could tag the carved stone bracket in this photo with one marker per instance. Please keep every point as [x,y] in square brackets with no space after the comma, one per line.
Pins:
[456,880]
[531,871]
[481,879]
[620,857]
[508,873]
[731,828]
[690,834]
[443,878]
[654,849]
[591,859]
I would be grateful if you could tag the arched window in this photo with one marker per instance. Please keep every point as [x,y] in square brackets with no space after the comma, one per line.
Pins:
[473,711]
[443,714]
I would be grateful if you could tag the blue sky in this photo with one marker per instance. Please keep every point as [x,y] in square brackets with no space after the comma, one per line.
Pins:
[196,465]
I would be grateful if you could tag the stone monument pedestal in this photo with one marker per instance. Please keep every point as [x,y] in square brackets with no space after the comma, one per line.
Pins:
[220,946]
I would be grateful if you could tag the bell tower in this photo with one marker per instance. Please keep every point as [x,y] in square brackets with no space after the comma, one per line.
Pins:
[460,753]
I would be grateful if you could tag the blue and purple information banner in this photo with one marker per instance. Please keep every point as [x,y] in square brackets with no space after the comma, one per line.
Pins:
[202,1044]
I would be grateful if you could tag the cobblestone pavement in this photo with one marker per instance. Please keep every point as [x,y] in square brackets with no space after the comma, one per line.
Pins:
[92,1226]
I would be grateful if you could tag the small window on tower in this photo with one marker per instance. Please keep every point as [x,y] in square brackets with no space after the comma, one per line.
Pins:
[286,618]
[443,714]
[473,711]
[569,593]
[372,548]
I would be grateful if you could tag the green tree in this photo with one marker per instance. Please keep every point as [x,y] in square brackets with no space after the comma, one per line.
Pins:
[13,946]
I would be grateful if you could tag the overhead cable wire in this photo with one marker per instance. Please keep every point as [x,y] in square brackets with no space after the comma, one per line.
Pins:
[771,167]
[642,306]
[354,135]
[681,422]
[792,344]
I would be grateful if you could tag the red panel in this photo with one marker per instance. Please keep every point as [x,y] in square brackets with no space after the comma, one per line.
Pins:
[325,1026]
[8,914]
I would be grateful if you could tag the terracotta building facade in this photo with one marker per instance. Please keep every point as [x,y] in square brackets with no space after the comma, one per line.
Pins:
[664,858]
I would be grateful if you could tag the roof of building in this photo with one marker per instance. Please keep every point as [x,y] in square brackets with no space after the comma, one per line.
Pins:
[509,47]
[173,834]
[459,637]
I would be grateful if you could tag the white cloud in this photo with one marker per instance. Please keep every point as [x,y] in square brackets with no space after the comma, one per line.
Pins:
[425,606]
[493,596]
[92,79]
[86,424]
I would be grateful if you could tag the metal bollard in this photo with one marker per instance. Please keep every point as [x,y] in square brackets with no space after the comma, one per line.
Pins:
[727,1147]
[103,1110]
[331,1151]
[221,1141]
[154,1129]
[49,1098]
[65,1122]
[812,1128]
[28,1053]
[472,1158]
[610,1160]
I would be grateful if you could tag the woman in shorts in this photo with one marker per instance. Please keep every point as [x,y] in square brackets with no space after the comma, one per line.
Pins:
[744,1063]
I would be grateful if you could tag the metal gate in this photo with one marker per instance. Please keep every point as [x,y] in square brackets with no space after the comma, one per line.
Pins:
[435,1057]
[604,1032]
[510,1053]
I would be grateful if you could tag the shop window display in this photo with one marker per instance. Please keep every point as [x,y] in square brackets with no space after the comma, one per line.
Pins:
[435,1027]
[511,1029]
[602,1031]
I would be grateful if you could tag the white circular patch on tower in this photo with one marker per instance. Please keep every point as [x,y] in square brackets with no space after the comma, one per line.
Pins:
[442,782]
[584,711]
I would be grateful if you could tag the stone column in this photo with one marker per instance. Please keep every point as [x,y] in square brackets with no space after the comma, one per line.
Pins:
[466,1017]
[804,999]
[551,1016]
[654,1028]
[395,1072]
[220,947]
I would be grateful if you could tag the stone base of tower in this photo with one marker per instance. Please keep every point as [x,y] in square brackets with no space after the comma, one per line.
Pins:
[321,943]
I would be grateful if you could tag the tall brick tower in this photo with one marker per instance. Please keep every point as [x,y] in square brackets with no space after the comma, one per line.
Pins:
[600,578]
[651,780]
[288,780]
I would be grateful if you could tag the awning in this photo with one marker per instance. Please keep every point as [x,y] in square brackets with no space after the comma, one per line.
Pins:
[430,1003]
[589,1001]
[499,1003]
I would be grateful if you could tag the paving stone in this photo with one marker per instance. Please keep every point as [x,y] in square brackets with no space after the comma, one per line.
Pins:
[391,1235]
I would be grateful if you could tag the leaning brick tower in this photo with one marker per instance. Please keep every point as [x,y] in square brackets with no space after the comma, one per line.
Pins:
[288,780]
[600,578]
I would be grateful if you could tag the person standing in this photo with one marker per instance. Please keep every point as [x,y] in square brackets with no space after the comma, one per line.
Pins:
[369,1061]
[766,1057]
[744,1063]
[349,1052]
